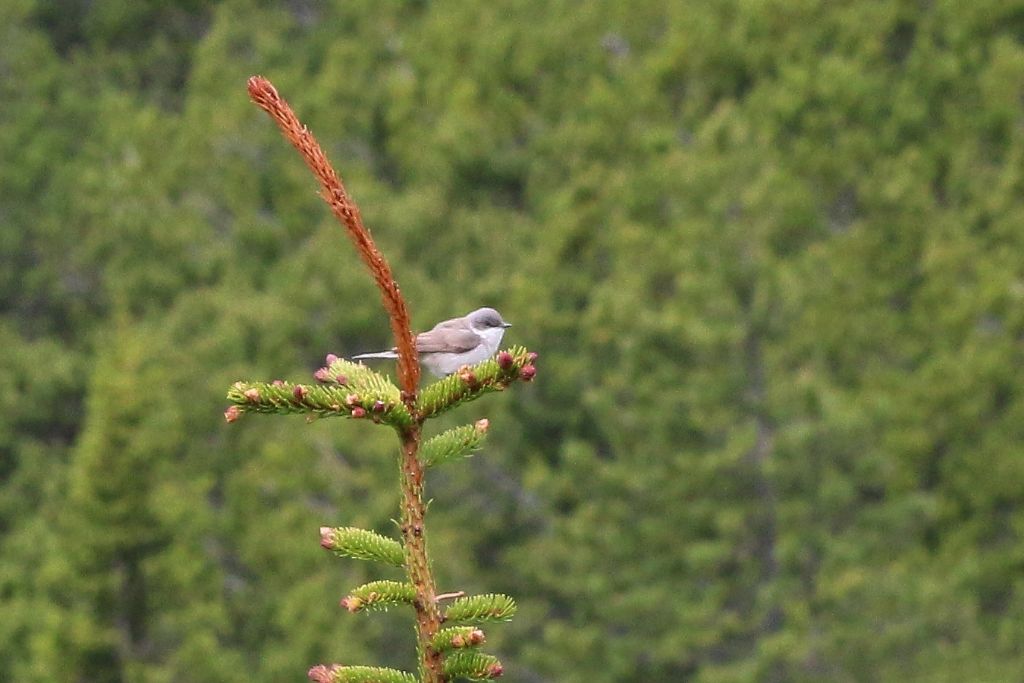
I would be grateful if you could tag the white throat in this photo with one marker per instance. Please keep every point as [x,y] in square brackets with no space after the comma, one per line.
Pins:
[491,337]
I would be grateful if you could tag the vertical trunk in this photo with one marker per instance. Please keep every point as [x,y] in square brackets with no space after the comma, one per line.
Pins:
[428,617]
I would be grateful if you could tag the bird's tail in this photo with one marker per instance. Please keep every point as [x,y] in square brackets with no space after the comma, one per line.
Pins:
[379,354]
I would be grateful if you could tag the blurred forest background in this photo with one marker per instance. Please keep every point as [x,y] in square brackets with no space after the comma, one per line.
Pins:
[771,254]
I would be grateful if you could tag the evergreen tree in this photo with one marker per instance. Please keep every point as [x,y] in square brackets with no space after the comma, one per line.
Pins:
[769,252]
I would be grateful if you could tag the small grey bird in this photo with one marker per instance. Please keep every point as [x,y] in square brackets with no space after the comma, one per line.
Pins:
[456,342]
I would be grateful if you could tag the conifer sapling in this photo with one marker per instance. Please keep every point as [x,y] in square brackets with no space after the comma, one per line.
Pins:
[348,389]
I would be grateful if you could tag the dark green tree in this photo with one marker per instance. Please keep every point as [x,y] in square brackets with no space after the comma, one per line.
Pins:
[772,249]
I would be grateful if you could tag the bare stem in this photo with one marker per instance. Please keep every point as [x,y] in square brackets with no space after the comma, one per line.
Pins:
[428,616]
[449,596]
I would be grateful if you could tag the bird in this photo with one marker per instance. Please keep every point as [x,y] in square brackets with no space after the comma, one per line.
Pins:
[454,343]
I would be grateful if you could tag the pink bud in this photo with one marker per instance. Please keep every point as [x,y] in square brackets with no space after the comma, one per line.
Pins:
[378,406]
[232,413]
[351,603]
[321,674]
[326,537]
[482,425]
[299,392]
[495,670]
[466,376]
[505,360]
[527,372]
[278,383]
[476,636]
[320,375]
[352,400]
[358,412]
[252,394]
[531,357]
[341,379]
[330,359]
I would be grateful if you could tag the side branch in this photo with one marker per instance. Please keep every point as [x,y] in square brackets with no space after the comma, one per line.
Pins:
[470,383]
[263,93]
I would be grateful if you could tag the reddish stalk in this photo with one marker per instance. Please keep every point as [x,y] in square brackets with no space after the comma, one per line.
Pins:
[263,93]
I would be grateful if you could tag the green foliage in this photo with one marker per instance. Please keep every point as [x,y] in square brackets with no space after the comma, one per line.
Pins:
[458,638]
[770,253]
[362,544]
[322,401]
[360,379]
[455,443]
[472,383]
[359,674]
[487,607]
[476,666]
[379,595]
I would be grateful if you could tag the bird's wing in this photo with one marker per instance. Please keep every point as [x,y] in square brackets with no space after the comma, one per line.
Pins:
[445,324]
[443,339]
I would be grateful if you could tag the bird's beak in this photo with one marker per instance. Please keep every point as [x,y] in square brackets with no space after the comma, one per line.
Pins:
[506,324]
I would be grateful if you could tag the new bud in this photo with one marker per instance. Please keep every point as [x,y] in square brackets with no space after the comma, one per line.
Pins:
[378,406]
[277,383]
[482,425]
[358,412]
[495,670]
[327,537]
[466,376]
[505,360]
[527,372]
[232,413]
[470,639]
[352,400]
[299,392]
[330,359]
[253,394]
[531,357]
[321,674]
[352,603]
[321,375]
